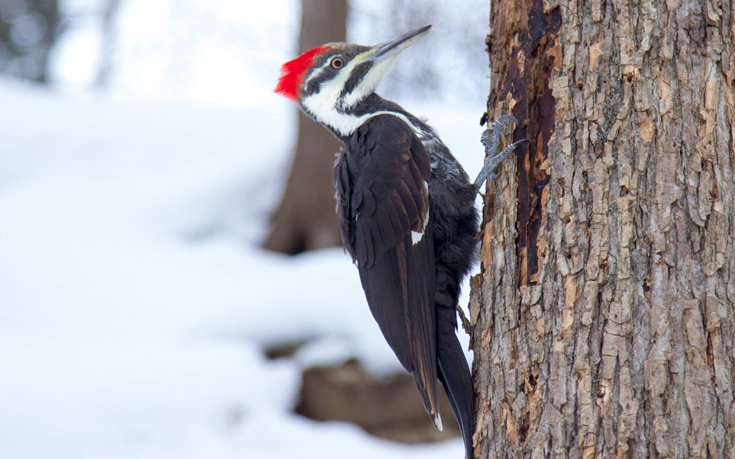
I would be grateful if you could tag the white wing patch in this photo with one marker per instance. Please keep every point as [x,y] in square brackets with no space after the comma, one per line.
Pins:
[416,236]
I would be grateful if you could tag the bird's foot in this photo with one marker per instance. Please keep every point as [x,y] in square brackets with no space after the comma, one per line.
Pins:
[491,139]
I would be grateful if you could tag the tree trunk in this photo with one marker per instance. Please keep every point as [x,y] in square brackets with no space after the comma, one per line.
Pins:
[603,319]
[108,43]
[305,219]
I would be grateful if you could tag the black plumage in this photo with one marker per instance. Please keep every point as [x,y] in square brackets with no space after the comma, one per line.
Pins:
[387,191]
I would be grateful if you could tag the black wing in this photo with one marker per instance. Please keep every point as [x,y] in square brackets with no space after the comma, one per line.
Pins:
[383,207]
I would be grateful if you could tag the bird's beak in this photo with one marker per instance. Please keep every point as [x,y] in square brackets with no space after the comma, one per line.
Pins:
[391,49]
[380,58]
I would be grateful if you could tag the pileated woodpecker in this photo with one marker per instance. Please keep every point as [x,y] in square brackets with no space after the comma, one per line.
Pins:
[406,210]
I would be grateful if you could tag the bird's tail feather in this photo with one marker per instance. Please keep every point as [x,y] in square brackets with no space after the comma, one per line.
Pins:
[456,378]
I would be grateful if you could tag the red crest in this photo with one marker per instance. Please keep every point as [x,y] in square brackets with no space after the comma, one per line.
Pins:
[292,73]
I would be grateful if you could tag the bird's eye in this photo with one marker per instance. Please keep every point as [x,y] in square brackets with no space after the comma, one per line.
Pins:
[337,63]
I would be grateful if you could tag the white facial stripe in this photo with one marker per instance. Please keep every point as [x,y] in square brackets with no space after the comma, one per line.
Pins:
[333,87]
[316,73]
[369,82]
[323,105]
[326,113]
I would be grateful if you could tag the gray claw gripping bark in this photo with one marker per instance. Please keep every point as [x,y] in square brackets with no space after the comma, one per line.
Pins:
[490,140]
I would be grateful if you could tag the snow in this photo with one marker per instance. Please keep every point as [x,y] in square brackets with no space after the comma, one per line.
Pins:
[135,302]
[224,52]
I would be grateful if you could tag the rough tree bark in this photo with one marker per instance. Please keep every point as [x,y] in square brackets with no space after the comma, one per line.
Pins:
[305,219]
[603,320]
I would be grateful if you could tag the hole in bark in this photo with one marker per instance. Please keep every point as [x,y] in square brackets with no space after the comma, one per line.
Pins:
[567,220]
[525,426]
[569,255]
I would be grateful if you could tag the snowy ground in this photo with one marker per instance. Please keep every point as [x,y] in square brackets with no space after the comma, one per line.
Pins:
[134,300]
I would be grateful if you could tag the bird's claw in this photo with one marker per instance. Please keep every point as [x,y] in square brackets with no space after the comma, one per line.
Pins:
[490,140]
[494,131]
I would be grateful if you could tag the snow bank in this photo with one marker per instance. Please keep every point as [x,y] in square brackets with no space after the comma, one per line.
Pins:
[135,302]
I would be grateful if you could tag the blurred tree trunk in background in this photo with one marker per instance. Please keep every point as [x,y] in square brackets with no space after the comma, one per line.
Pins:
[28,32]
[108,43]
[603,318]
[305,219]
